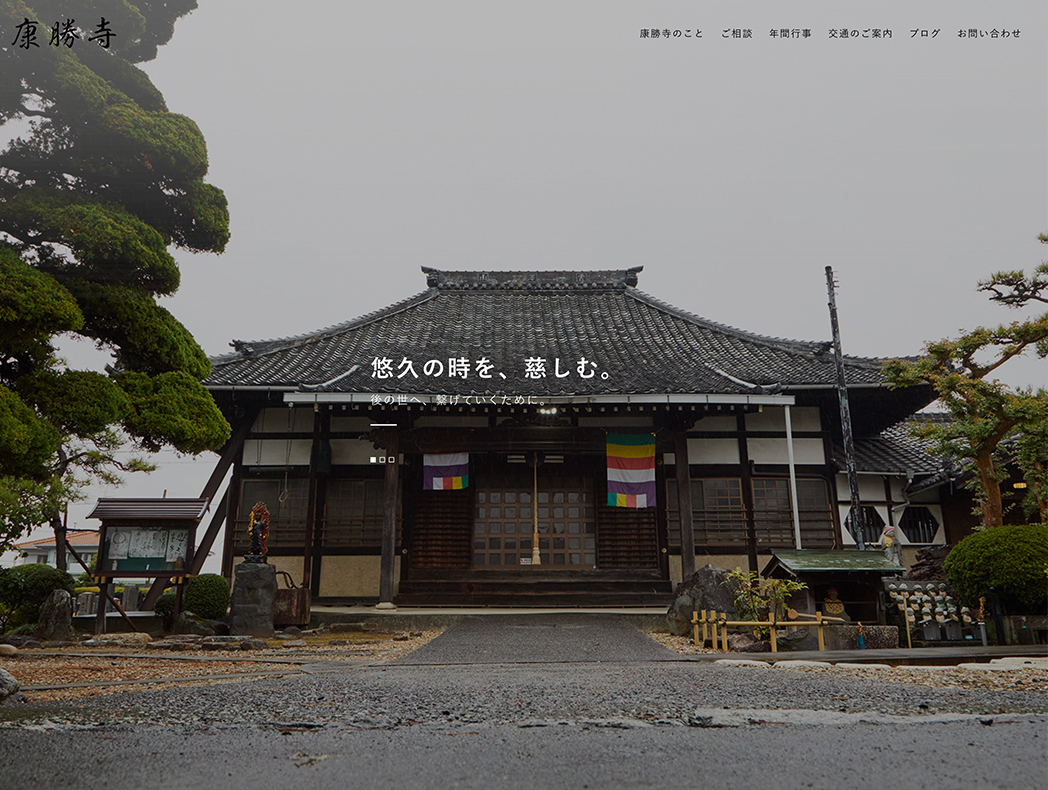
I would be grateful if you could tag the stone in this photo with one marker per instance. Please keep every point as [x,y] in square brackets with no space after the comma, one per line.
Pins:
[741,662]
[222,639]
[189,623]
[15,639]
[801,664]
[251,607]
[292,632]
[106,640]
[175,645]
[21,642]
[8,685]
[745,643]
[796,639]
[8,650]
[56,616]
[134,639]
[60,643]
[707,588]
[86,603]
[929,564]
[294,643]
[254,644]
[339,628]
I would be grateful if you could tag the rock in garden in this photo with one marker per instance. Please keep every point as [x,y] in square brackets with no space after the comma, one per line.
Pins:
[254,644]
[707,588]
[797,639]
[745,643]
[8,650]
[294,643]
[168,644]
[292,631]
[132,639]
[251,607]
[8,685]
[338,628]
[56,616]
[189,623]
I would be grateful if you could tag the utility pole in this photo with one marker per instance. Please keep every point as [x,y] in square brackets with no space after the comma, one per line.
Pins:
[846,424]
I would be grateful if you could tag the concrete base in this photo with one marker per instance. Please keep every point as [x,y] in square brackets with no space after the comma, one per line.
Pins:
[251,607]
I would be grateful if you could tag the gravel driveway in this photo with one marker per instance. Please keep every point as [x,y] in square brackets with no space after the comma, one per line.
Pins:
[572,701]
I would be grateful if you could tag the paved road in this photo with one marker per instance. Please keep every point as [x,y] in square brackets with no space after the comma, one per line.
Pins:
[540,638]
[579,715]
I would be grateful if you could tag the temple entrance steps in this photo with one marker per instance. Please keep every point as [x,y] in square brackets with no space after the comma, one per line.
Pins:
[533,587]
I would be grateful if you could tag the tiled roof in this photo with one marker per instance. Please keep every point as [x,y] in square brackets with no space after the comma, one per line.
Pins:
[180,509]
[78,538]
[640,344]
[896,450]
[828,561]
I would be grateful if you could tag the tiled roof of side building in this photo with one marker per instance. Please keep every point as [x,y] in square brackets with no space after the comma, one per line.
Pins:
[893,451]
[77,538]
[633,343]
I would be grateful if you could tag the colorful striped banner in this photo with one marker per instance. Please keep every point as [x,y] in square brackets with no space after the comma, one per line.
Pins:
[445,471]
[631,470]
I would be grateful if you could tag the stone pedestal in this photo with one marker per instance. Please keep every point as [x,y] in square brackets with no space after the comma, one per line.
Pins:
[56,617]
[251,608]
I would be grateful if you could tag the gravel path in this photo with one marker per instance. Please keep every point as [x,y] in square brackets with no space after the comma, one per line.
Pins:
[575,713]
[535,668]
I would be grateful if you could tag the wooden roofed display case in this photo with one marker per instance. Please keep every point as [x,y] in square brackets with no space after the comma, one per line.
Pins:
[146,538]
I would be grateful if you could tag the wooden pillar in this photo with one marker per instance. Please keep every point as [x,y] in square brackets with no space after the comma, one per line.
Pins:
[100,613]
[747,492]
[319,469]
[389,525]
[661,527]
[687,528]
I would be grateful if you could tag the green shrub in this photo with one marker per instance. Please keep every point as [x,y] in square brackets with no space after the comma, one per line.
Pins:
[164,608]
[1010,558]
[207,595]
[24,588]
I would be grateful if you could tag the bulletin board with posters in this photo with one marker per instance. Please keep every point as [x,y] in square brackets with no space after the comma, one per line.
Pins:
[146,538]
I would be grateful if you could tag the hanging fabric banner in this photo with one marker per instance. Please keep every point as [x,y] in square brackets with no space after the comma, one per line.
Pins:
[445,471]
[631,470]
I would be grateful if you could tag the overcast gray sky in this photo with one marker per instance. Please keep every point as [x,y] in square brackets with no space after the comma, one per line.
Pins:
[357,141]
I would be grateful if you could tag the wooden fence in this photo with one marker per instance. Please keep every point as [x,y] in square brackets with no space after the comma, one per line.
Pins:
[711,622]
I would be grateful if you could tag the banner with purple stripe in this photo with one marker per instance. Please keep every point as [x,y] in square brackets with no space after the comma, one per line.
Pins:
[631,470]
[445,471]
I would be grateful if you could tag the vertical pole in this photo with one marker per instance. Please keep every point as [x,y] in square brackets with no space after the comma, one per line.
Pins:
[793,479]
[100,614]
[846,425]
[536,557]
[684,504]
[749,506]
[389,525]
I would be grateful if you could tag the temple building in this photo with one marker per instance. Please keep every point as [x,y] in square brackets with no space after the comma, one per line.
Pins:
[456,447]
